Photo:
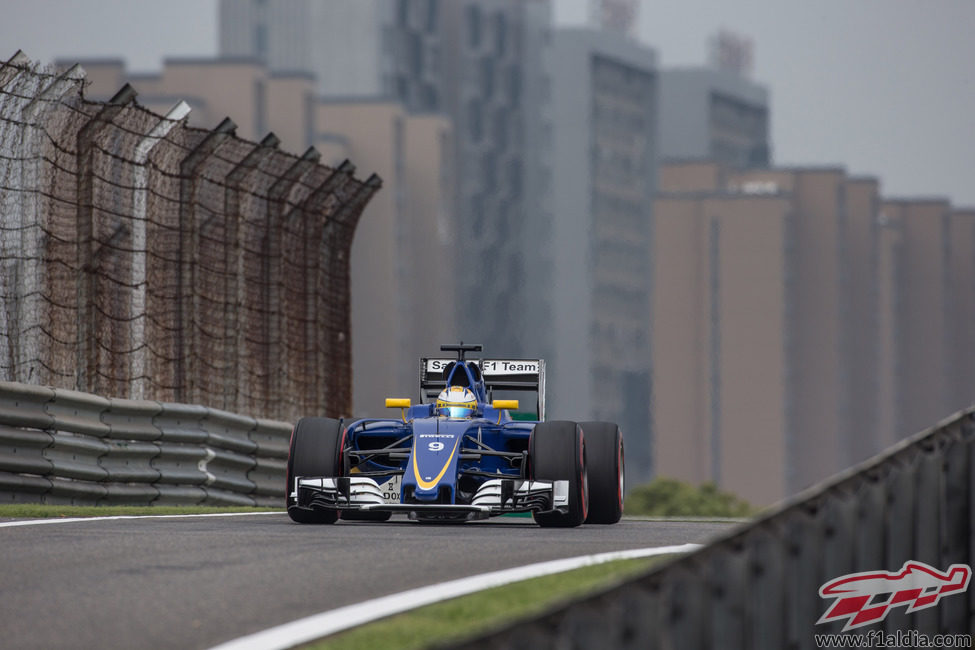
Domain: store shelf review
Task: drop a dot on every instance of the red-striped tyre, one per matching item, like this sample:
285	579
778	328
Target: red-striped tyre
316	450
557	452
604	462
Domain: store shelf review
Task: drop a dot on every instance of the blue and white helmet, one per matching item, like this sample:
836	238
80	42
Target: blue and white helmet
456	402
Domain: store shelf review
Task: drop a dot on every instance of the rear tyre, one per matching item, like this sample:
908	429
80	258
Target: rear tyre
316	450
557	452
604	462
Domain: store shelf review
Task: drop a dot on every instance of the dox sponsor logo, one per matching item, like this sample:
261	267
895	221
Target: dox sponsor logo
864	598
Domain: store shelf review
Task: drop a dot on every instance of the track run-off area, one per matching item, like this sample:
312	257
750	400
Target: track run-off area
202	580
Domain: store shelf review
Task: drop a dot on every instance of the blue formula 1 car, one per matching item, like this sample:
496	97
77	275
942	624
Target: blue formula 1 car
458	457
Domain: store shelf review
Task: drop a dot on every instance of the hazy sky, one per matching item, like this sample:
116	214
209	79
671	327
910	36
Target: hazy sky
884	88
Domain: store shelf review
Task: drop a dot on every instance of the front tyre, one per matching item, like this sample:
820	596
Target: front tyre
604	458
557	452
316	450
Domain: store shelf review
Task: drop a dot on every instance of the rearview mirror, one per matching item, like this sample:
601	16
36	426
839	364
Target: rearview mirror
509	404
398	402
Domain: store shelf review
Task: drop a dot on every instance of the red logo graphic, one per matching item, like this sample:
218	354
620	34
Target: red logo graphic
867	597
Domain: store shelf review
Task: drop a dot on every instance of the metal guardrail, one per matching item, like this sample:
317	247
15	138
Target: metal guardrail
757	587
63	446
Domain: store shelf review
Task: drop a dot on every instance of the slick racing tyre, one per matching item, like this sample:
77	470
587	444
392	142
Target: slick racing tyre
316	449
604	462
557	452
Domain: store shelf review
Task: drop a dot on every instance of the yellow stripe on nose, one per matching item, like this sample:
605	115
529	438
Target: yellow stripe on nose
427	485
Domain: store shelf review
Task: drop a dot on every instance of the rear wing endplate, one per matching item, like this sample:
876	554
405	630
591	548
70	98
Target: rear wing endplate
499	374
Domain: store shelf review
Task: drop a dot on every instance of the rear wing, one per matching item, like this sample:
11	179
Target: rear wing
499	374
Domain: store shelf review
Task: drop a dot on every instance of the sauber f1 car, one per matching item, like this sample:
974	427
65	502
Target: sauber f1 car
458	455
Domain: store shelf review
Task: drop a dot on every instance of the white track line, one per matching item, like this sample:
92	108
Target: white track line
326	623
72	520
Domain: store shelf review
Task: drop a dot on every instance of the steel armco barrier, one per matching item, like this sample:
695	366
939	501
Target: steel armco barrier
63	446
758	586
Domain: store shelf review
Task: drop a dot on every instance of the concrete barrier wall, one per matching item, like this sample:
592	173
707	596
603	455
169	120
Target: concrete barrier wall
757	587
63	446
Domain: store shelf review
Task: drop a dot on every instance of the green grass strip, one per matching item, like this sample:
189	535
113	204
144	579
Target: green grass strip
47	511
469	616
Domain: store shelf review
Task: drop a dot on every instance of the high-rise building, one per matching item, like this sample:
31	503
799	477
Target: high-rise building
961	317
720	339
762	336
859	309
801	323
362	48
815	328
587	273
475	61
889	241
920	352
713	114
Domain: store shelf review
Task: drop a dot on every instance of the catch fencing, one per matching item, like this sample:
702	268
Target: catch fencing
142	258
757	587
64	447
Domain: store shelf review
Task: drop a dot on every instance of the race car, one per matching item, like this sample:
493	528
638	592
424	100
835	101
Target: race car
458	455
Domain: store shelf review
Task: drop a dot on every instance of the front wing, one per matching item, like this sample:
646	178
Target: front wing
494	497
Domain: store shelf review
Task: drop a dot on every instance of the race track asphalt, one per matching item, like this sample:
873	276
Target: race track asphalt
193	582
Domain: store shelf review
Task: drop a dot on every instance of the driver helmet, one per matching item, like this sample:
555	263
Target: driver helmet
456	402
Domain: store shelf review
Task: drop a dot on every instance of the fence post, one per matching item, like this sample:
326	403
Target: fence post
234	300
956	517
927	491
189	248
11	148
275	306
138	372
687	608
314	228
725	578
871	543
839	516
900	526
337	247
25	330
767	601
87	362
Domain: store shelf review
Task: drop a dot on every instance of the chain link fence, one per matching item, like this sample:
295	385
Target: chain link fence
143	259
